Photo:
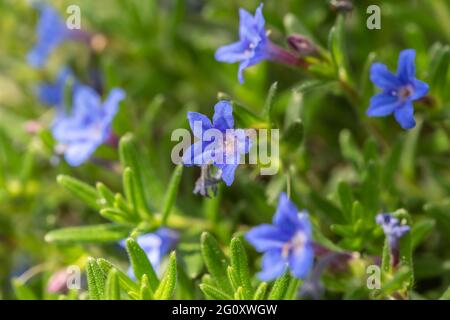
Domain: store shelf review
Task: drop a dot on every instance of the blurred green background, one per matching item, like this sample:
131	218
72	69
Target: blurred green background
162	54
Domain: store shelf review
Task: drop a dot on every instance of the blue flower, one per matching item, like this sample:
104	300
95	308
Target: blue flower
252	45
88	124
51	32
286	242
156	245
219	144
399	91
53	93
392	229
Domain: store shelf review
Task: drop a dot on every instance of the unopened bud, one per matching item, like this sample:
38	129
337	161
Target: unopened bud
301	45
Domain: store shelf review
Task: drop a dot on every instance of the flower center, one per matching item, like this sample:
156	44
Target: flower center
296	244
405	92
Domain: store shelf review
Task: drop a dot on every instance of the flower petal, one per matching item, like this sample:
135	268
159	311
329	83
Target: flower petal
382	77
405	116
223	116
406	69
273	265
266	237
111	105
198	154
232	53
242	66
286	216
228	171
79	152
199	123
420	89
301	262
382	105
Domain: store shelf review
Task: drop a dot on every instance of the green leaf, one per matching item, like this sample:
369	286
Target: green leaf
21	291
349	149
336	45
115	215
107	196
168	282
346	200
280	287
95	279
267	110
406	258
129	157
216	262
408	156
239	294
246	118
112	288
439	65
260	291
129	184
146	290
171	193
212	293
293	136
446	294
386	257
140	263
240	267
95	233
125	283
292	290
81	190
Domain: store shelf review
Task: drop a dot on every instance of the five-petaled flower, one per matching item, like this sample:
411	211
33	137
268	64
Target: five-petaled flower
253	46
287	242
392	228
51	32
156	245
80	131
399	91
219	144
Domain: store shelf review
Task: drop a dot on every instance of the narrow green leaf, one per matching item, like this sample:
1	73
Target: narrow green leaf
21	291
346	200
280	287
168	282
240	267
95	233
115	215
293	136
81	190
129	157
446	294
349	149
129	184
261	291
239	294
95	279
106	194
212	293
146	290
215	261
406	258
172	192
112	288
232	277
292	291
267	110
125	282
386	257
336	45
140	263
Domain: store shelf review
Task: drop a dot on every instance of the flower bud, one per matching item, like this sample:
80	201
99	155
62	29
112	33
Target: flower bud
301	45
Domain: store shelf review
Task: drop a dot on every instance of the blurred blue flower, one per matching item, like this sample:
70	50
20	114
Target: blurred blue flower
156	245
286	242
51	31
392	228
88	124
252	45
53	93
399	91
219	144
